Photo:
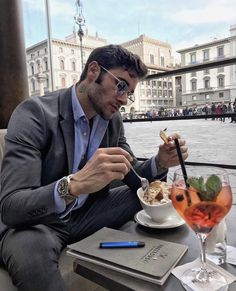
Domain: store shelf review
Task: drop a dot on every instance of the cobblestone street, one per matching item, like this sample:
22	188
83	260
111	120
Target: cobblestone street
209	141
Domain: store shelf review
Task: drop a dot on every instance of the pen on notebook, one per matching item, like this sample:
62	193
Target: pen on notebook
122	244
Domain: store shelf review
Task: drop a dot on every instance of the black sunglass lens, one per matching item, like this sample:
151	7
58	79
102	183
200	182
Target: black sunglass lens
122	87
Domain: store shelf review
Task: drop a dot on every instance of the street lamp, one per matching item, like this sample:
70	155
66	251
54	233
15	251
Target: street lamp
80	20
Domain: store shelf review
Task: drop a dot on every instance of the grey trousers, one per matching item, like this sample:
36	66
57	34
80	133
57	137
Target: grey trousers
31	254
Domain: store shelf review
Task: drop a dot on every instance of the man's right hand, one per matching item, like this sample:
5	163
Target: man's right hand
106	165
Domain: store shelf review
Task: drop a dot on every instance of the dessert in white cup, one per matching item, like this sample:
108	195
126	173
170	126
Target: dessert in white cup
157	203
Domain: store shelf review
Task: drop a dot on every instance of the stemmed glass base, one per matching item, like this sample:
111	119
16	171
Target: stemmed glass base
198	279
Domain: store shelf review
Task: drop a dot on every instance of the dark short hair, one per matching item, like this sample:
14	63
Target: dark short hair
115	56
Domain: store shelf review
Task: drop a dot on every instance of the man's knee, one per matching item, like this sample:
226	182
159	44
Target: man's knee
31	241
31	254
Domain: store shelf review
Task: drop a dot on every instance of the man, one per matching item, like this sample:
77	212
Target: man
62	152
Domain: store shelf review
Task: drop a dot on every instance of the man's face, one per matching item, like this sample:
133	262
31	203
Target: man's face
107	97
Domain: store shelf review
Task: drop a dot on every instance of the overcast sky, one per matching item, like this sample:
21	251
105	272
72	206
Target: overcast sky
182	23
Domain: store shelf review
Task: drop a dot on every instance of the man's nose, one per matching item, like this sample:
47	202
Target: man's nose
123	98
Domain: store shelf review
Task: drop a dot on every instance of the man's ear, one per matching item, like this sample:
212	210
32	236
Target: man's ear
93	71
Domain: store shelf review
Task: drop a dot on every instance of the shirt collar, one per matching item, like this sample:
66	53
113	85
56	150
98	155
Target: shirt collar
77	109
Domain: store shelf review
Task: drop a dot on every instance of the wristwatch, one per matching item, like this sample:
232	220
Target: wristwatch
63	188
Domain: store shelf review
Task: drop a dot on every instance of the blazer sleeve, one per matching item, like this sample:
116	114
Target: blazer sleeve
24	201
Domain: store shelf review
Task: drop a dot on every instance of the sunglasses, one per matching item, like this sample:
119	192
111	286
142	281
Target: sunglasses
121	87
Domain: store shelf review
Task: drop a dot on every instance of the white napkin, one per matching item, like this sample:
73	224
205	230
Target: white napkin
231	255
178	272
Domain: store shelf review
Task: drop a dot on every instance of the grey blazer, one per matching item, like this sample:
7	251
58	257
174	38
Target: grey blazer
39	151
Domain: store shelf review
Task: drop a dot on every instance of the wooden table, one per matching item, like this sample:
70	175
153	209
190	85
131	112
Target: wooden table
113	280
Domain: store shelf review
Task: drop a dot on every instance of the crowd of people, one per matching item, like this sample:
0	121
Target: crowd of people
208	109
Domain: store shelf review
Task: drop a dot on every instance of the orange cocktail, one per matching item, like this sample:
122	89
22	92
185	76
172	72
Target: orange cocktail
200	215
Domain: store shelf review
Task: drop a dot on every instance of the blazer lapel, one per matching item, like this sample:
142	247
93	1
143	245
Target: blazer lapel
67	125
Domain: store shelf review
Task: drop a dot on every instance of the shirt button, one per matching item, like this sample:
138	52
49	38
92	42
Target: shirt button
85	133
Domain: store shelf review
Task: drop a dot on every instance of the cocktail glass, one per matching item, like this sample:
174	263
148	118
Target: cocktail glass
203	199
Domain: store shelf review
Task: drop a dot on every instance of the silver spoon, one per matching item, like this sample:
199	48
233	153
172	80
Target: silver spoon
144	181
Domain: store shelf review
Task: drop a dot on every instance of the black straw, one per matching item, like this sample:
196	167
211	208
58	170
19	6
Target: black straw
181	160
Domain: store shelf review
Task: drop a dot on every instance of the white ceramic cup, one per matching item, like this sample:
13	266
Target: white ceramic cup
159	212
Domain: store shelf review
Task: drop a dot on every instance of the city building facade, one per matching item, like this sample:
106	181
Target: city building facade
152	95
66	62
214	85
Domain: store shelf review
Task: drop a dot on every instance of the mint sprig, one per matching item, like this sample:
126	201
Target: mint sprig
207	191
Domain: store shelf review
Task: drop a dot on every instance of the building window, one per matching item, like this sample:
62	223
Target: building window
207	96
178	81
221	94
193	58
154	84
221	81
62	65
46	65
32	85
60	50
38	65
205	55
45	50
63	82
207	83
151	59
32	69
162	61
220	52
73	66
193	85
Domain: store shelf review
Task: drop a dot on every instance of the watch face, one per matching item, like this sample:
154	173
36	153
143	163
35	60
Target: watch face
63	187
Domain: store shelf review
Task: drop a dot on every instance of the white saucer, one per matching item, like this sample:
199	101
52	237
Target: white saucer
144	219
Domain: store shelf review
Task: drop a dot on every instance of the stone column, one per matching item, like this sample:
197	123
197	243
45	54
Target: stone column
13	75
